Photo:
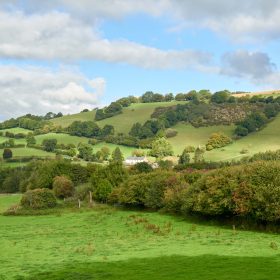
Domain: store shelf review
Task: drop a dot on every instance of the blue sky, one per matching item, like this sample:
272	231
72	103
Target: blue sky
66	55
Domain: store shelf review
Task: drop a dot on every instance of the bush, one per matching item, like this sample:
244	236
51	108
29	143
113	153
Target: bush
170	133
7	153
38	199
103	190
248	190
217	140
63	187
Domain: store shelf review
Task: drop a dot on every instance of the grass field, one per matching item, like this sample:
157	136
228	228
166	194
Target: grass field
61	138
25	152
105	243
16	130
191	136
139	112
261	141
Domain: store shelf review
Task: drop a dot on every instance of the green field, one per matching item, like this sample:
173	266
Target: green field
61	138
139	112
191	136
126	151
17	130
106	243
26	152
261	141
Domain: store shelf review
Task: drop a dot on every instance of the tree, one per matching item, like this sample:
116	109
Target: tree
143	167
85	151
105	153
107	130
7	153
30	140
117	156
161	148
199	155
184	157
102	191
220	96
136	130
63	187
49	145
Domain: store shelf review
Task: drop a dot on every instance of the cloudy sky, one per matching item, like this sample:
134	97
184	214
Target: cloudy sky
66	55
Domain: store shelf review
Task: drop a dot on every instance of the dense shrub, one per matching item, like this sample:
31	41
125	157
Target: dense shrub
63	187
38	199
250	190
7	153
146	189
217	140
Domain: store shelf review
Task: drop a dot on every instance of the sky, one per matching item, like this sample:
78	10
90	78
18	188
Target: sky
67	55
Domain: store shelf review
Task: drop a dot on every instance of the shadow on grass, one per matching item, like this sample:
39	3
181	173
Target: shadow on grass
208	267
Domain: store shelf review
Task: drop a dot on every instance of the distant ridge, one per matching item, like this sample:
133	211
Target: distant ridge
267	92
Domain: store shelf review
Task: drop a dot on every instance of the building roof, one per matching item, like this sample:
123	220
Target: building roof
135	158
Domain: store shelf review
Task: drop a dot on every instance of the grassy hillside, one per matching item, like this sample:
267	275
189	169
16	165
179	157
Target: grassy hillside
261	141
24	152
106	243
191	136
139	112
61	138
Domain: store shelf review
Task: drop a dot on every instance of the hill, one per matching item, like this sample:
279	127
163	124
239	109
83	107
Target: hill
138	112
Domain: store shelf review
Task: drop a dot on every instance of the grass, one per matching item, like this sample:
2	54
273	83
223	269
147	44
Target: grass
126	151
61	138
24	152
191	136
106	243
17	130
261	141
139	112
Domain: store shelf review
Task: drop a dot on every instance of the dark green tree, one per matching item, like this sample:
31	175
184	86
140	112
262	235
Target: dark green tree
7	153
49	145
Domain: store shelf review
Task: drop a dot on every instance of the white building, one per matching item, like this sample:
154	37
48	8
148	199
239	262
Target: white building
135	160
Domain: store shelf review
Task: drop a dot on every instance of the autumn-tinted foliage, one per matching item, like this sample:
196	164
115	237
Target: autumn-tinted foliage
38	199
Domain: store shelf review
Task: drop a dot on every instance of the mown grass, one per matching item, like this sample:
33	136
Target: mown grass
109	243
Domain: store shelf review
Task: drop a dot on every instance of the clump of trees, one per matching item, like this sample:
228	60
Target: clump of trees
218	140
113	109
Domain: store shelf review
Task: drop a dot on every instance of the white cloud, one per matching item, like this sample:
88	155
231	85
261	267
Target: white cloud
40	90
256	67
253	65
57	35
240	20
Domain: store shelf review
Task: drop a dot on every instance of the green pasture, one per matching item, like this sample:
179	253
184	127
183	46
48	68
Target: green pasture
61	138
25	152
191	136
261	141
139	112
108	243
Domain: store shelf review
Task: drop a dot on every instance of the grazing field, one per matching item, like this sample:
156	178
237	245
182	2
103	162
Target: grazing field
17	130
106	243
261	141
274	93
191	136
61	138
26	152
139	112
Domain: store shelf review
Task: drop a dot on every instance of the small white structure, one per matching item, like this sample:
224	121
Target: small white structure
135	160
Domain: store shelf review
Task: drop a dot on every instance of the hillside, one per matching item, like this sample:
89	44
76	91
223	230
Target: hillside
139	112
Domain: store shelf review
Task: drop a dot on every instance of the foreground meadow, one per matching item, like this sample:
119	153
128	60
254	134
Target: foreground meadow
109	243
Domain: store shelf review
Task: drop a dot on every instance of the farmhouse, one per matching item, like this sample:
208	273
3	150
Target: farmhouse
135	160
